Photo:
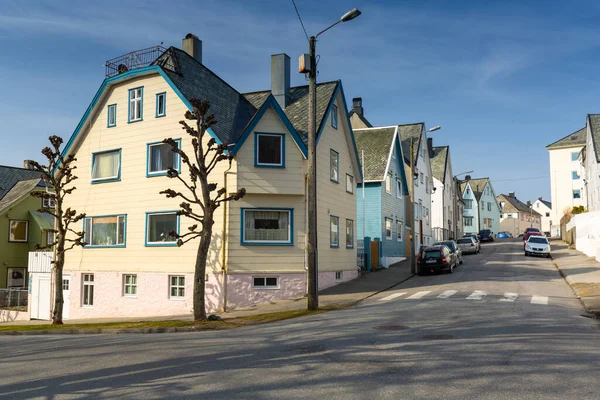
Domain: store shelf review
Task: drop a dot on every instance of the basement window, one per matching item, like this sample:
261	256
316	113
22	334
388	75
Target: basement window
265	282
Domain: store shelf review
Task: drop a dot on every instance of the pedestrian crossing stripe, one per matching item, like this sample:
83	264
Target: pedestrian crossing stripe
447	293
539	300
392	296
476	295
418	295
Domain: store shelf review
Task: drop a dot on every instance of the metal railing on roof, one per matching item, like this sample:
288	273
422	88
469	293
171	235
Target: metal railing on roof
133	60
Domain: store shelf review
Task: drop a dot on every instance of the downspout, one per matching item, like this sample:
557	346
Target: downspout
306	229
224	268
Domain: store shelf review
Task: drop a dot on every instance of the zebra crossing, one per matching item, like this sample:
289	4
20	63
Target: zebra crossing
476	295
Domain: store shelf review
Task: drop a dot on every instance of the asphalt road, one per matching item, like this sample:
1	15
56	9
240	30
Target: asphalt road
502	326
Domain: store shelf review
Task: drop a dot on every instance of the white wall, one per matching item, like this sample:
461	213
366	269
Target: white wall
562	184
543	209
592	175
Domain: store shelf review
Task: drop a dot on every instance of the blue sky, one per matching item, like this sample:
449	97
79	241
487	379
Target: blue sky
503	79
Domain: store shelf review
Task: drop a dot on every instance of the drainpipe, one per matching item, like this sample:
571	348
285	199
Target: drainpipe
306	230
224	240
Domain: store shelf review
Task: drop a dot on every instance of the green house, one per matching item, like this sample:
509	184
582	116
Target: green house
22	226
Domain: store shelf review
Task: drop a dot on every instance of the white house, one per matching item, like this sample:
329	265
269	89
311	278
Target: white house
544	208
444	192
591	162
566	183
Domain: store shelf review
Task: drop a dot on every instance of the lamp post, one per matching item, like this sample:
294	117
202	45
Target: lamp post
411	192
313	269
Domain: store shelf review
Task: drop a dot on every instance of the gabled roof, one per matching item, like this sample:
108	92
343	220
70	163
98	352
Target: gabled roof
408	132
477	186
546	203
377	144
594	121
19	191
575	139
194	80
9	176
515	205
439	162
361	117
296	109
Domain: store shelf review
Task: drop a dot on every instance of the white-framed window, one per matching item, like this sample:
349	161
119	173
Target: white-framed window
161	104
49	238
388	229
334	116
416	177
547	214
66	283
468	221
399	229
160	227
49	202
388	183
334	231
489	206
106	231
339	276
111	115
349	234
106	166
177	287
426	215
135	104
349	183
130	285
270	150
398	188
267	226
161	158
88	290
18	231
334	166
576	194
265	282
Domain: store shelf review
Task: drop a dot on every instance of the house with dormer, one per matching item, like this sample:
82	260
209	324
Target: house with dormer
481	210
381	209
131	266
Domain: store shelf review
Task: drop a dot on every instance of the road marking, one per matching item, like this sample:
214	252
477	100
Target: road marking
392	296
477	295
418	295
539	300
446	294
509	297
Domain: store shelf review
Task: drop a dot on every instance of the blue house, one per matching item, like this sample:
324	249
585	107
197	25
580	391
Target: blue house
383	213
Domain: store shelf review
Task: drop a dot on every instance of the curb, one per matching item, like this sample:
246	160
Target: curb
571	283
102	331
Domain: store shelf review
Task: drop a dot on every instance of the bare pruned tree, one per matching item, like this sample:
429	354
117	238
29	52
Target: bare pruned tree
202	198
58	176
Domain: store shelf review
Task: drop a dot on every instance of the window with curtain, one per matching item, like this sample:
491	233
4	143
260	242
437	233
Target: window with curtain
104	231
267	226
160	228
388	183
388	229
349	233
269	150
161	158
334	165
106	165
349	183
334	231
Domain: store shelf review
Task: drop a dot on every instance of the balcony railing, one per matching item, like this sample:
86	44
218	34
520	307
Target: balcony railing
133	60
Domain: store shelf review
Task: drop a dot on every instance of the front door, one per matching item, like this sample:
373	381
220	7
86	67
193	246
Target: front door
66	286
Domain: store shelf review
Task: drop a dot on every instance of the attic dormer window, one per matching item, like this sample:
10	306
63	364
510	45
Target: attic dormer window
269	148
135	104
334	116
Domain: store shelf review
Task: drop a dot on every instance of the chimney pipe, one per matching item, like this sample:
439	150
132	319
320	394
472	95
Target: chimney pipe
27	164
357	106
430	147
528	203
280	78
192	45
511	194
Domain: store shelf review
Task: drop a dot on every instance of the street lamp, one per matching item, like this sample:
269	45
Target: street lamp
313	258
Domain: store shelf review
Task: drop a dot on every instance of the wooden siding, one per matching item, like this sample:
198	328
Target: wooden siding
393	208
372	211
135	194
266	180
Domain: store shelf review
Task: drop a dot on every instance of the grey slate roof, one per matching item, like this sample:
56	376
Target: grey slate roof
439	162
515	205
376	142
595	131
9	176
296	109
20	190
232	111
477	186
406	132
575	139
547	203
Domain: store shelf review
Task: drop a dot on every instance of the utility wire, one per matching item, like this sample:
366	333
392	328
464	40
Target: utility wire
301	23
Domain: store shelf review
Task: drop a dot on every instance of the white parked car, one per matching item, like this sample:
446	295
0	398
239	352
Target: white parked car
537	245
468	245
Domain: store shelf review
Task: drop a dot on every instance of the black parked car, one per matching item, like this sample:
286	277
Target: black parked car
486	235
436	258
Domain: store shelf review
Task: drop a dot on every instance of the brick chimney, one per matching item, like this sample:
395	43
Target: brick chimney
27	164
193	46
511	194
280	78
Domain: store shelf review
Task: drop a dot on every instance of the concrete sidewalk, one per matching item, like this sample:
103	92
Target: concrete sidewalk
581	272
344	294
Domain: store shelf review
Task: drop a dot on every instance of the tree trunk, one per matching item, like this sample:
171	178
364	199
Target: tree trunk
57	314
200	270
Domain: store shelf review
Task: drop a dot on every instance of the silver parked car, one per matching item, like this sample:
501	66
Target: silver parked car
468	245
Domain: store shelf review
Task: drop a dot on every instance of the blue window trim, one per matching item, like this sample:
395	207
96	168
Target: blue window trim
262	165
331	244
338	166
161	173
290	242
108	180
116	246
129	121
575	175
164	114
160	244
334	116
352	245
108	108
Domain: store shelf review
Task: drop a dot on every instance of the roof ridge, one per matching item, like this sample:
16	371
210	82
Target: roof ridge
570	134
414	123
375	127
291	87
10	166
